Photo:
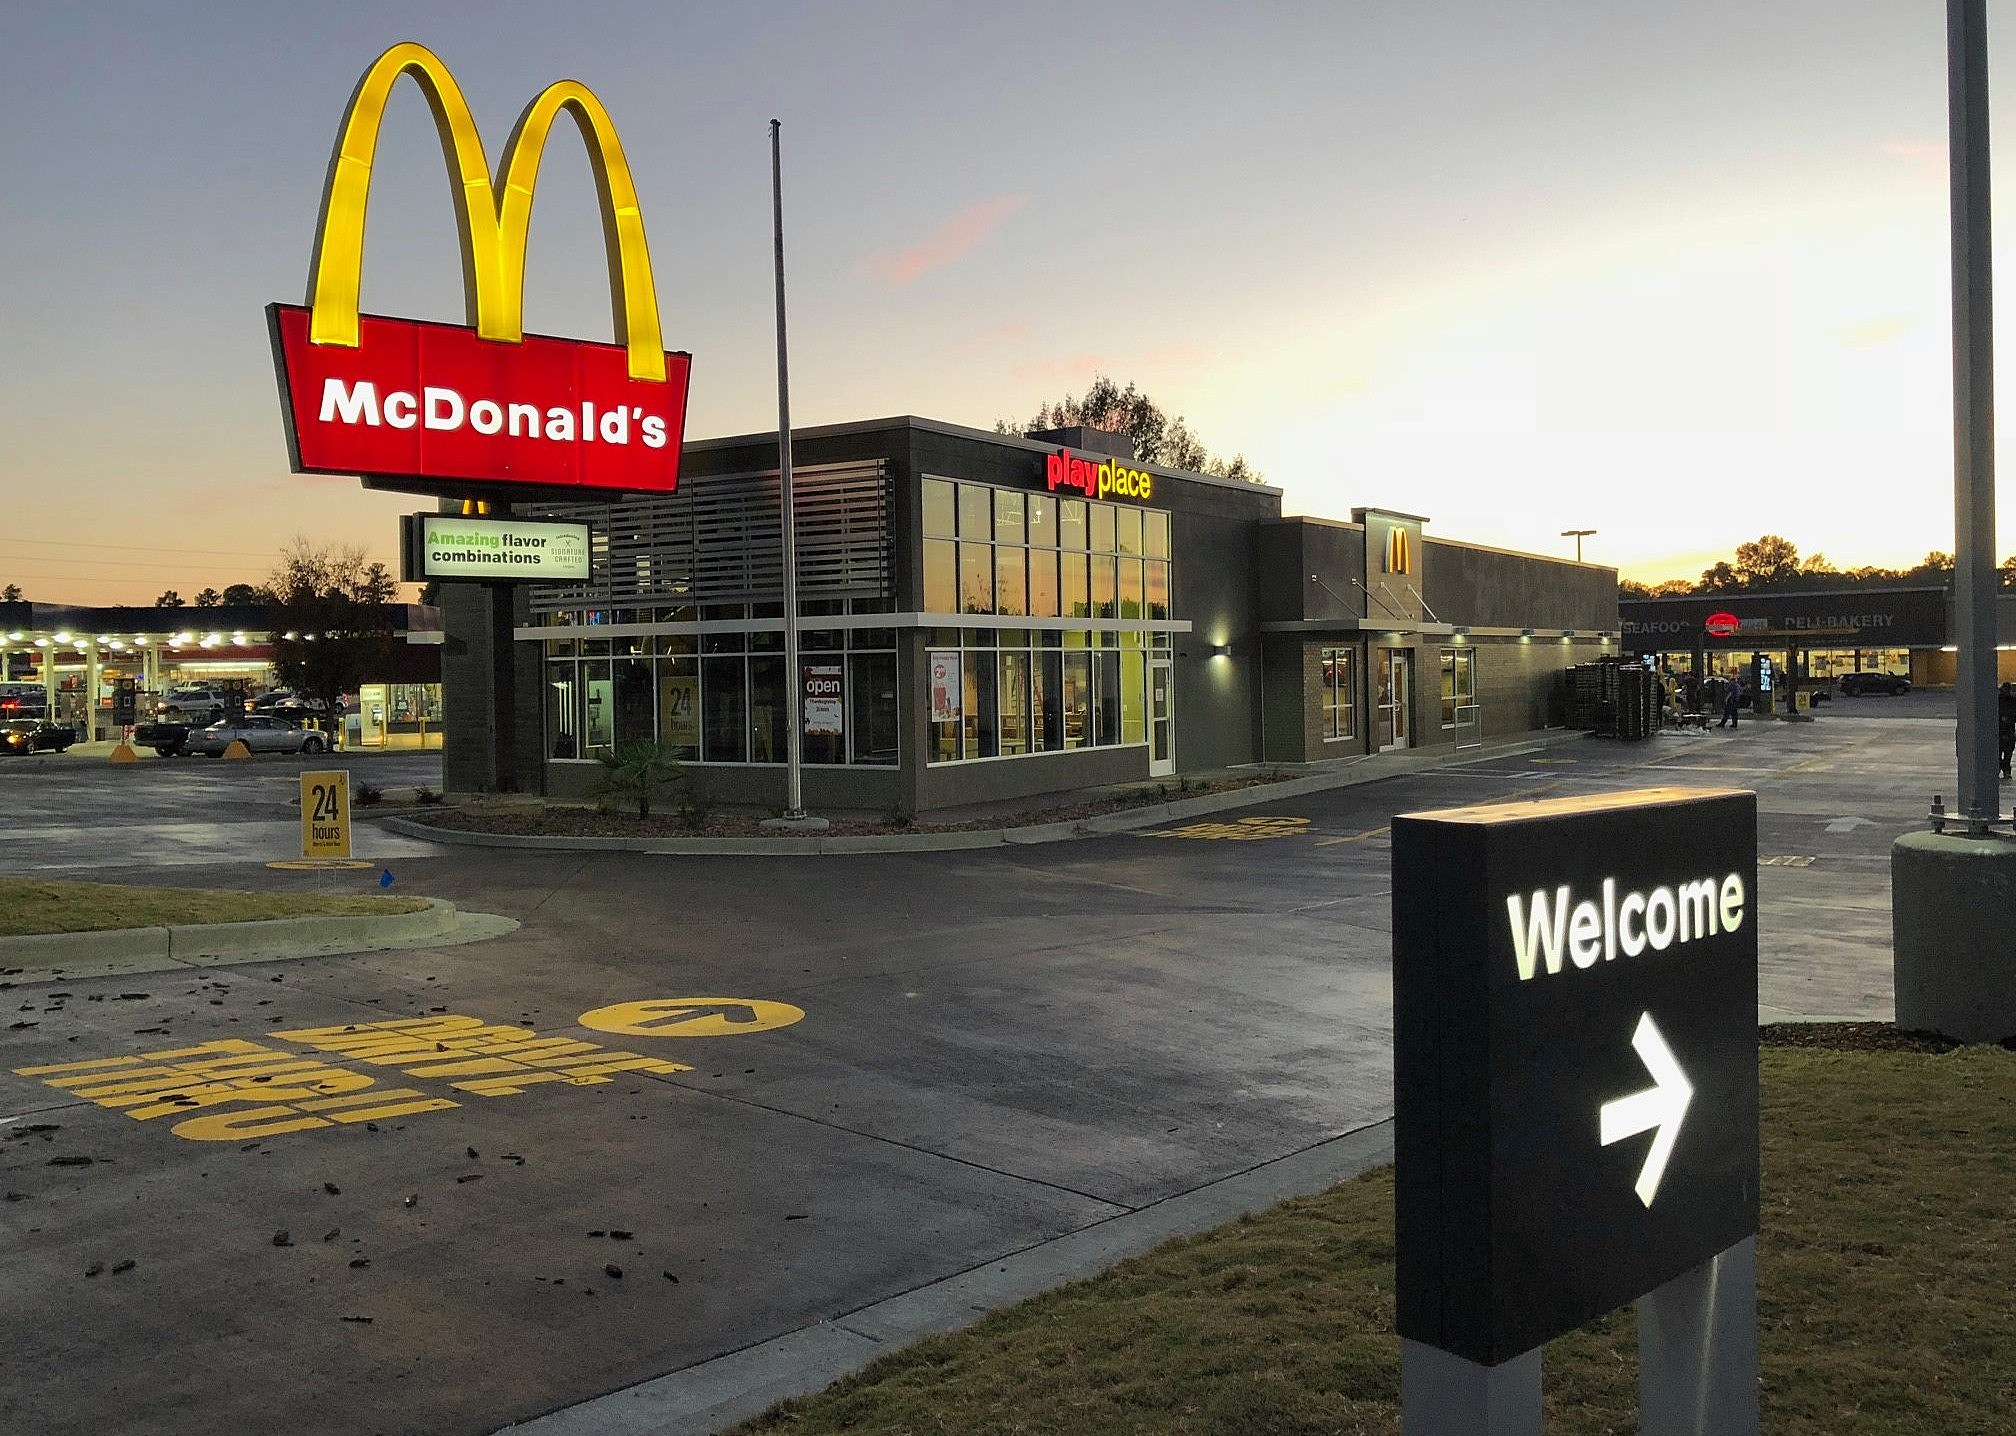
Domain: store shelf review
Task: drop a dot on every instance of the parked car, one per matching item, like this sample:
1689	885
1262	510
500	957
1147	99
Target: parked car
286	703
23	700
259	732
1853	684
195	705
35	735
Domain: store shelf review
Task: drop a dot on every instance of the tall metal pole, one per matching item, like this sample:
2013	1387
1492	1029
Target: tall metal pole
1973	408
794	681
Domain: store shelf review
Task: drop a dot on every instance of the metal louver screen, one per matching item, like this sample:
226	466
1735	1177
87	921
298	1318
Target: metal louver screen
718	540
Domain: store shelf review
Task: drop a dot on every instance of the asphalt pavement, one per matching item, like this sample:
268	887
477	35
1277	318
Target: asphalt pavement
851	1077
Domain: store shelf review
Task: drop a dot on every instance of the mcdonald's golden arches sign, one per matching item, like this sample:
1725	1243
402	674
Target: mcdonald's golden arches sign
1399	550
443	408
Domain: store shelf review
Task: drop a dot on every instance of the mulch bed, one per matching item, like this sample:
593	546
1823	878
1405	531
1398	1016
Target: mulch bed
559	821
1853	1037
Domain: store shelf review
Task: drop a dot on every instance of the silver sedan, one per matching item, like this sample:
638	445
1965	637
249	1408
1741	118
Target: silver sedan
258	733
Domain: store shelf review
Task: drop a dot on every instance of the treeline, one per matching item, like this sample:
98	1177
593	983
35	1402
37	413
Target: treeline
1773	562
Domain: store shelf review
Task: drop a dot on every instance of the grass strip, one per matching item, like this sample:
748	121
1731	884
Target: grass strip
37	905
1887	1295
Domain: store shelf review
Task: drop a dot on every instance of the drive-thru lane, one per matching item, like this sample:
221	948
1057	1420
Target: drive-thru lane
996	1048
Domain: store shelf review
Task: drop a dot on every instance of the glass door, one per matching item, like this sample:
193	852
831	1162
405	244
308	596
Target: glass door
1395	699
1161	719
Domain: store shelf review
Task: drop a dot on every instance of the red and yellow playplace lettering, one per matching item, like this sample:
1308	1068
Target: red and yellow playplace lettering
1104	478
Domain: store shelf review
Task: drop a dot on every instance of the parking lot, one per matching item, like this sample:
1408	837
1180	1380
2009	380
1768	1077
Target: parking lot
996	1049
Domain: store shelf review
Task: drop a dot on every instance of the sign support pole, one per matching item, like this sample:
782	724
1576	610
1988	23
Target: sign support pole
794	743
1973	410
1697	1349
1444	1395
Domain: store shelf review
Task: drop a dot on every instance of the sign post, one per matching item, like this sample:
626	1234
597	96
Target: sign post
325	814
1575	1035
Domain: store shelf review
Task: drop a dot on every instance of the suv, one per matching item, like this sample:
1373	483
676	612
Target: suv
1853	684
197	705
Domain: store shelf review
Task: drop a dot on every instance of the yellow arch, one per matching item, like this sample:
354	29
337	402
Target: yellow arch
493	233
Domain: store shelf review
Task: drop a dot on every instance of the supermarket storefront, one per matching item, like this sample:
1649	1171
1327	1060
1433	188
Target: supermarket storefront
986	616
1822	634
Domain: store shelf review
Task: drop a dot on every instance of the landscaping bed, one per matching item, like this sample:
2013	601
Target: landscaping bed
1887	1300
39	905
566	820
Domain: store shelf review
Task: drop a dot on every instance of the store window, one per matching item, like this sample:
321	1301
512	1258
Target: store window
1340	691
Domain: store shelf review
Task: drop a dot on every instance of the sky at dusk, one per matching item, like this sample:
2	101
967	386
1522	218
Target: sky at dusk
1674	273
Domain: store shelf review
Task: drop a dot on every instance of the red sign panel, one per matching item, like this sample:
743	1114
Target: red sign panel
416	401
1721	625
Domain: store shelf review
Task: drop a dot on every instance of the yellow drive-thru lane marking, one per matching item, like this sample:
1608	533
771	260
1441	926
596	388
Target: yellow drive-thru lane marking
1246	830
692	1017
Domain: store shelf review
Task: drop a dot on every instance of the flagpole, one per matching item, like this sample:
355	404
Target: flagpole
794	680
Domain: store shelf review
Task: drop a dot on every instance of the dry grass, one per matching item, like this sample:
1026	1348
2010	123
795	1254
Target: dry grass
1887	1296
36	905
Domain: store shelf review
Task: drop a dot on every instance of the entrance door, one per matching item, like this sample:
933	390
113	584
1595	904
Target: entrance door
1161	719
1395	699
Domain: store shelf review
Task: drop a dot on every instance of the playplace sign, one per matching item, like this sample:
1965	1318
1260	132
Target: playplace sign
1097	478
1575	1026
443	408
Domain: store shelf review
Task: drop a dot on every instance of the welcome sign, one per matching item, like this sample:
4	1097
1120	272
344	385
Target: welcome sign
1575	1058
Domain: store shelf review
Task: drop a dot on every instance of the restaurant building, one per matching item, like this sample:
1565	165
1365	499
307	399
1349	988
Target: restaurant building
986	616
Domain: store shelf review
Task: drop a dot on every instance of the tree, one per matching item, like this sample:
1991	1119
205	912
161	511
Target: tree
1718	579
1157	438
170	599
243	593
2008	572
209	598
327	612
12	592
1765	561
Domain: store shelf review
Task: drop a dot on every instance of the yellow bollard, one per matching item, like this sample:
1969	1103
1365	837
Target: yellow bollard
236	749
123	754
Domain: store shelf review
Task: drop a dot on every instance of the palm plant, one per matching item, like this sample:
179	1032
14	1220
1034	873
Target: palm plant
638	773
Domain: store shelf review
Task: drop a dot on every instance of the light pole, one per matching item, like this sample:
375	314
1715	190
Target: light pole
1578	535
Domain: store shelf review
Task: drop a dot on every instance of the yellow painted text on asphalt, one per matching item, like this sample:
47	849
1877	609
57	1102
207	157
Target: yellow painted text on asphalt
692	1017
232	1090
1246	830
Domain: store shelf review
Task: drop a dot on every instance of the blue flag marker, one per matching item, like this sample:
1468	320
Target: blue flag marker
385	879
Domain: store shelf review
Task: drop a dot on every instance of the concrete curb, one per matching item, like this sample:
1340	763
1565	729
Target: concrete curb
141	949
1126	820
712	1394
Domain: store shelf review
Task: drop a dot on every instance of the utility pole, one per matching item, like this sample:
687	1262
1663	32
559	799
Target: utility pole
794	678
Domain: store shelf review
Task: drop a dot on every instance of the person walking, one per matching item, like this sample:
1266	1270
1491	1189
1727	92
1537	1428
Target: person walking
1732	703
2005	723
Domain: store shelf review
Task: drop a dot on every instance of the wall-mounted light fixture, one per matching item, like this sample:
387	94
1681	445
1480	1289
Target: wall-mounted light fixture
1566	634
1527	632
1221	650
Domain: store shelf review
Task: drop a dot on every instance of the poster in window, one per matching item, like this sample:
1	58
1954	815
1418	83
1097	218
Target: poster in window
679	709
945	688
825	715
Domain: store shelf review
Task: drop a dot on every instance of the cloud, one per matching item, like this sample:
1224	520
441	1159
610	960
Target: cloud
1871	332
1919	154
952	240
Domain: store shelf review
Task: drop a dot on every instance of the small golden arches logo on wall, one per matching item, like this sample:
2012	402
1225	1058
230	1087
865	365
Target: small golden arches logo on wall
1399	551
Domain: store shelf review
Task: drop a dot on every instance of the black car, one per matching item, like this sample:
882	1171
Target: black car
1853	684
34	735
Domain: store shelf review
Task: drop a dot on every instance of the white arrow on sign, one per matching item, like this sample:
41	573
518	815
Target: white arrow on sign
1847	825
1661	1105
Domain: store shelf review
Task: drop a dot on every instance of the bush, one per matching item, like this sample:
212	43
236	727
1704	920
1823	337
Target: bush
694	807
638	773
901	815
427	795
366	795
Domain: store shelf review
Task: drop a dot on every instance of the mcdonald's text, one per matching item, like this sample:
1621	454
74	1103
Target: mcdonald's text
414	401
